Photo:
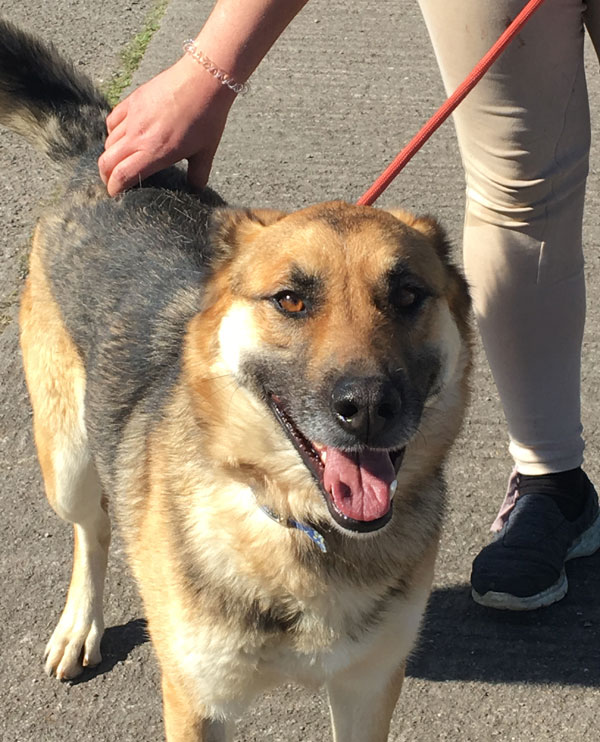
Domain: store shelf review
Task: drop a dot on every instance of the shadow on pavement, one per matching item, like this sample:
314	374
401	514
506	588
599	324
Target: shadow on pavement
117	644
463	641
559	644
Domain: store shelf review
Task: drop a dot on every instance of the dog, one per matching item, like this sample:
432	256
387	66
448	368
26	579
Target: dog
267	399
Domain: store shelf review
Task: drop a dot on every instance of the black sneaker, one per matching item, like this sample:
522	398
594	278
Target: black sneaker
524	566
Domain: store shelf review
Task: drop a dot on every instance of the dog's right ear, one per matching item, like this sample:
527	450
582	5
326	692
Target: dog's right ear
232	227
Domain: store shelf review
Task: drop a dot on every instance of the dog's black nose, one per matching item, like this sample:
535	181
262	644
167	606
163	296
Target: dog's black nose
366	407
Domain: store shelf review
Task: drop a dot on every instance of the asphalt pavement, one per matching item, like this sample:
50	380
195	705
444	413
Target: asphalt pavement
346	86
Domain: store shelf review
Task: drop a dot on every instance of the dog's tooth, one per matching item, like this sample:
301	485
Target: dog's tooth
321	450
393	487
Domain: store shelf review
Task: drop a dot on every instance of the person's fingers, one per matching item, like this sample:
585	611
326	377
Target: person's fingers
103	169
131	171
117	115
117	133
198	170
111	157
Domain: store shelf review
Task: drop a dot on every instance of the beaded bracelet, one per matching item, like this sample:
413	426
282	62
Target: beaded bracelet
223	77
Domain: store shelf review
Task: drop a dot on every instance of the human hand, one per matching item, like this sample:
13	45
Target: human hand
179	114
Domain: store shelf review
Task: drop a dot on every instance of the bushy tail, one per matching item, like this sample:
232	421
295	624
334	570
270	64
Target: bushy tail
44	98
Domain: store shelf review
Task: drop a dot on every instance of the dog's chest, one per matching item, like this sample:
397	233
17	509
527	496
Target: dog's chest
332	633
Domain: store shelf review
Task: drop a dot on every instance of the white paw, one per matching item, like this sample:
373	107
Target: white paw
75	644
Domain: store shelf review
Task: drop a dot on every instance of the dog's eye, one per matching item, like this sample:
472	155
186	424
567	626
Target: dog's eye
408	298
290	302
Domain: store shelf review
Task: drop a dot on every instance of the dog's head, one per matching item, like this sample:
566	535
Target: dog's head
340	324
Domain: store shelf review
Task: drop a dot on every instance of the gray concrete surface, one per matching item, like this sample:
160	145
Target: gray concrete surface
346	86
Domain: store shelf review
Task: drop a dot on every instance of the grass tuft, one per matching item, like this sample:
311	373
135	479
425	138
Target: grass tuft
133	53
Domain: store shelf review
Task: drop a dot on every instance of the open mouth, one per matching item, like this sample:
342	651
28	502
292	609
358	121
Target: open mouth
358	486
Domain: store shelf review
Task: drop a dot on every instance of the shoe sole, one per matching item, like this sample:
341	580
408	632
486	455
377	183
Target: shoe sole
585	545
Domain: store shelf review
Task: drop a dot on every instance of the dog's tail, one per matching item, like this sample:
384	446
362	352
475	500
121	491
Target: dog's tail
44	98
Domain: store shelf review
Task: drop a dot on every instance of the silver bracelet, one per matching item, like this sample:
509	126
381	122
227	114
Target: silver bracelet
223	77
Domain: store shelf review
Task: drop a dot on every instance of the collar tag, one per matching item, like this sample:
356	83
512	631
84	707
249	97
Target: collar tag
311	532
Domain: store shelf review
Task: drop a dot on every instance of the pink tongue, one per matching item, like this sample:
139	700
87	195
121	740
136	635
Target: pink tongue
359	483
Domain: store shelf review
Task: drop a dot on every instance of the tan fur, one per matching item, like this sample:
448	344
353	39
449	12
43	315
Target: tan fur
56	381
202	470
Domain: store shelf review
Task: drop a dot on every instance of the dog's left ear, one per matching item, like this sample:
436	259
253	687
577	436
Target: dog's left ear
232	227
428	226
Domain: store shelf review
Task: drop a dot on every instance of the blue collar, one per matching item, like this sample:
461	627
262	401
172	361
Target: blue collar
311	532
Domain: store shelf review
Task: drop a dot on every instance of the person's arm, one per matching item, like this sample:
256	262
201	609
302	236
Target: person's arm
181	113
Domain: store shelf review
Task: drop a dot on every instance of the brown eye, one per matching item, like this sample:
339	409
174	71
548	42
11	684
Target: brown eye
406	297
290	302
405	294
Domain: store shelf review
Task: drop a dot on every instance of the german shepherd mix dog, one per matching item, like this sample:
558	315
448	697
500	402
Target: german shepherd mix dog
267	399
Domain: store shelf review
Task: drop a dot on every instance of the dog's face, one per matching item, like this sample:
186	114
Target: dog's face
342	322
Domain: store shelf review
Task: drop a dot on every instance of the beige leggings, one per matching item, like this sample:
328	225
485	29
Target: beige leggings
524	139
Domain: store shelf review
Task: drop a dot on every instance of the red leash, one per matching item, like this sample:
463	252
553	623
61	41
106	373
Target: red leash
438	118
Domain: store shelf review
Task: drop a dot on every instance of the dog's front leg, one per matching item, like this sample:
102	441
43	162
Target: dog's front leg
185	722
362	702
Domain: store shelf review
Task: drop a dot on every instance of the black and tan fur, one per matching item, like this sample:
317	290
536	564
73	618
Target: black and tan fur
162	334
